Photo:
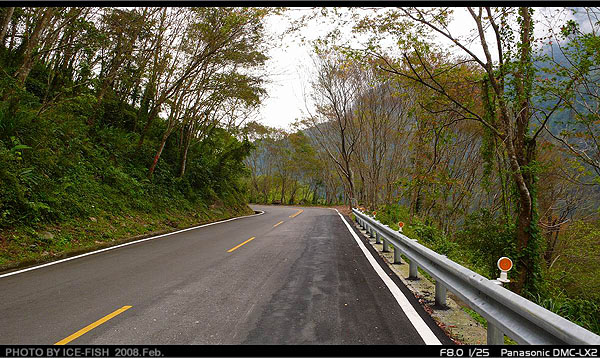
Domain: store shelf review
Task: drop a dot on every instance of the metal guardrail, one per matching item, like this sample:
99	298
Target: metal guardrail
505	311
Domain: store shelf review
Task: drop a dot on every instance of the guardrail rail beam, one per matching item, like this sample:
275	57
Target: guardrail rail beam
506	312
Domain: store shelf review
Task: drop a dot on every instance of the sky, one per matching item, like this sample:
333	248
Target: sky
288	76
290	65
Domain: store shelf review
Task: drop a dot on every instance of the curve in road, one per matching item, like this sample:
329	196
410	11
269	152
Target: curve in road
289	276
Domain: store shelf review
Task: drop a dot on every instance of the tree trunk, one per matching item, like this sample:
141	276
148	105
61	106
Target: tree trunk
293	194
32	43
159	152
5	23
186	147
282	191
149	120
521	156
350	178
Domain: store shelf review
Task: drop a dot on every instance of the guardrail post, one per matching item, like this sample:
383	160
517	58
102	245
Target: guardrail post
386	246
397	257
440	294
377	238
371	232
494	335
413	272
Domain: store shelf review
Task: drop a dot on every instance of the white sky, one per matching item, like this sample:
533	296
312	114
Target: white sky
287	68
290	65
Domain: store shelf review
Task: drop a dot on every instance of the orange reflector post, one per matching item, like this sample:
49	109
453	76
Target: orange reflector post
505	264
400	224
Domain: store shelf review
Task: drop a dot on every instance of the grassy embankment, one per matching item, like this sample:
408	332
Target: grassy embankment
27	245
68	183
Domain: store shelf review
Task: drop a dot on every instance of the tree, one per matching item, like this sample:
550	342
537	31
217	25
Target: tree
231	36
334	125
41	18
208	69
506	85
571	76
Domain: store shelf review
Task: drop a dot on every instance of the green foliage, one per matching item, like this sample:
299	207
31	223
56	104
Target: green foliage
574	267
285	163
485	239
56	169
432	237
391	214
583	312
478	244
424	231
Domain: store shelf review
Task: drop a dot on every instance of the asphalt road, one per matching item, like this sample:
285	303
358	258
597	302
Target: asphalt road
303	279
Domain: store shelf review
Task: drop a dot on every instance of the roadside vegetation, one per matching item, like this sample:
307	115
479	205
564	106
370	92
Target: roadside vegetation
485	144
120	122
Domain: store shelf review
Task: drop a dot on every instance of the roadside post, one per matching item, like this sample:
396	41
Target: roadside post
397	252
494	334
504	264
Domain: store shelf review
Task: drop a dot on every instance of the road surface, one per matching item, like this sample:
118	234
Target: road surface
288	276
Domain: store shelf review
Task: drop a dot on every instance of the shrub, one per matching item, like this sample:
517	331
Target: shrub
485	240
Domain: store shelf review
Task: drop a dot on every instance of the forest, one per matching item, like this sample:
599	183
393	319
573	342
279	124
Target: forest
120	122
484	148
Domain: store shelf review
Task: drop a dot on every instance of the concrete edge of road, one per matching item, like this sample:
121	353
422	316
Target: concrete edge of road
135	241
421	320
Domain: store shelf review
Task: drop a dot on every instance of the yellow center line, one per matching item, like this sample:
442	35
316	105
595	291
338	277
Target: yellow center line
243	243
296	214
279	223
88	328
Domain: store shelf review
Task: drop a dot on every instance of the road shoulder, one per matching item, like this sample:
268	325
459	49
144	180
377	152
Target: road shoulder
429	321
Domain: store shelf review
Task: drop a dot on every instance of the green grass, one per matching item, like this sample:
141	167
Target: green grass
27	244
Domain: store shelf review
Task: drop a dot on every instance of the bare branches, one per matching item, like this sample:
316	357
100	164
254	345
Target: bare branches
421	19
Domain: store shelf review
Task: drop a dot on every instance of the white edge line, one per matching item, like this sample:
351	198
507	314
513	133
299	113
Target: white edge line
125	244
422	328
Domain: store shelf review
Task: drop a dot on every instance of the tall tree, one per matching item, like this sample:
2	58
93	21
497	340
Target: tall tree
214	64
227	35
336	129
509	76
42	17
7	16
